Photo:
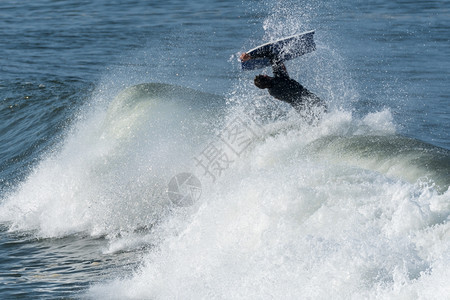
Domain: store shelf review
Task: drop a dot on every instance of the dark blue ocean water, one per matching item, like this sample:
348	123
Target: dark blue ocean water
62	61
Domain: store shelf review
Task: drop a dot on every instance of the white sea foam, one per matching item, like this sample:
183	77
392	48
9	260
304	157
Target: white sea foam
281	224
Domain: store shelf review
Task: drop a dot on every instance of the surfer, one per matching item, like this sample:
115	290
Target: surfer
286	89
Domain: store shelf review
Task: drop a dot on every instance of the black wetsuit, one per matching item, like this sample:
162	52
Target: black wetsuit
288	90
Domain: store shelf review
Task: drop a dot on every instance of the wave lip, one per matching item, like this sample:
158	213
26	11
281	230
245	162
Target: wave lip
393	155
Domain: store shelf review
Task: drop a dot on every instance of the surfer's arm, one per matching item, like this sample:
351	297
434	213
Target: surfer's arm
279	69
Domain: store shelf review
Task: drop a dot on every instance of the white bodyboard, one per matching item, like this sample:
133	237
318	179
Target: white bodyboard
283	49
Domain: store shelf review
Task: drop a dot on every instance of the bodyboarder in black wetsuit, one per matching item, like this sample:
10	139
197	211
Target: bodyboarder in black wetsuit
283	88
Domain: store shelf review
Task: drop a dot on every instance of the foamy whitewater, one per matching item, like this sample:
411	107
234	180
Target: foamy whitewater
285	222
344	207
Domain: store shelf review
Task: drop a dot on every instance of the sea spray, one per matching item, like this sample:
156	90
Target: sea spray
111	174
